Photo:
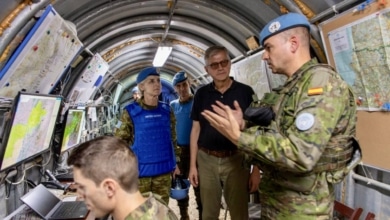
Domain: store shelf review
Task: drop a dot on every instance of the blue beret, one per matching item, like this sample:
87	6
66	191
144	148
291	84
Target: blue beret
283	23
179	77
149	71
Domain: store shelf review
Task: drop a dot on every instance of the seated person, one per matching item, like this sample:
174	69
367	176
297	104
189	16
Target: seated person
106	176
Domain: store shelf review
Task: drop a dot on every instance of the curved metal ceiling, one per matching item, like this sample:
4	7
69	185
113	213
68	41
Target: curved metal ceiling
127	32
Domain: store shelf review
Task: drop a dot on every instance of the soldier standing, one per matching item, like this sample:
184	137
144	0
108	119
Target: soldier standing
182	109
307	146
148	126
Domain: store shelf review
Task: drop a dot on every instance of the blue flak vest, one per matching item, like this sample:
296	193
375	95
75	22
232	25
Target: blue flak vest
183	121
152	139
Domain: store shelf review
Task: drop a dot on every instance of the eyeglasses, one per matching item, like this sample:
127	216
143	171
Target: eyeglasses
215	66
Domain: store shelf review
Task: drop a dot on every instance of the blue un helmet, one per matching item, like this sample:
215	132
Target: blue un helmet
282	23
179	187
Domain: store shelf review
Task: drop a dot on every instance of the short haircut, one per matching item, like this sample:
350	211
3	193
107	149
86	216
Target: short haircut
302	32
213	50
107	157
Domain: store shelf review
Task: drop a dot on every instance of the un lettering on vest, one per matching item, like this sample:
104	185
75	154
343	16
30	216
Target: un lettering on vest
153	116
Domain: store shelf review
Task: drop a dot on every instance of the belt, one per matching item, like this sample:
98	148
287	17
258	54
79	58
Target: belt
218	153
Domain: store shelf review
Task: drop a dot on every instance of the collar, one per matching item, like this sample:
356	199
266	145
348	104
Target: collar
313	61
291	82
211	86
188	100
141	102
297	73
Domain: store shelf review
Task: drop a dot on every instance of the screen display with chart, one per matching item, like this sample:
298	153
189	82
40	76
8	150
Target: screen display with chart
30	129
74	125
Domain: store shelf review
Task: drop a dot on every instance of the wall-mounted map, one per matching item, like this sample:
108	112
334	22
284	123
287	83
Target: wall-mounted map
42	57
359	50
254	72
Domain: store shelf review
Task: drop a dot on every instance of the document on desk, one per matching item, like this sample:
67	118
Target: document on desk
50	207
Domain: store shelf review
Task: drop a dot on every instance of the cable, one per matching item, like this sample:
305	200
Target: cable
22	179
42	165
102	94
365	171
61	169
3	179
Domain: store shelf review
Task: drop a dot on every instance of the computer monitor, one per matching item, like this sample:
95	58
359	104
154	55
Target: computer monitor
74	125
30	128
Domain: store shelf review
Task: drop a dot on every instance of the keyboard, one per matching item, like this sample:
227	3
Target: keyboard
65	209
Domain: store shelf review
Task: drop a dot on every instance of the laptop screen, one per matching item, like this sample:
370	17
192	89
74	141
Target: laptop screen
41	200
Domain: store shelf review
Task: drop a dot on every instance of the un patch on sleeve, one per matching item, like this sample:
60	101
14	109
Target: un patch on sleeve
304	121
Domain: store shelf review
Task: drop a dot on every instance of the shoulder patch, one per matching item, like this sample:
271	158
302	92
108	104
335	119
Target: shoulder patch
315	91
304	121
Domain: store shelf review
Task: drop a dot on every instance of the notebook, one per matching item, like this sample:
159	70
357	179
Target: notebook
50	207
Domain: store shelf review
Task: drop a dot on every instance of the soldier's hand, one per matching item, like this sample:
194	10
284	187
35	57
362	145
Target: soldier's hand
237	111
176	171
224	121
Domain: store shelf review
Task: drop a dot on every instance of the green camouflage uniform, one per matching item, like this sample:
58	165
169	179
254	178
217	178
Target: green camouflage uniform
297	164
152	209
126	132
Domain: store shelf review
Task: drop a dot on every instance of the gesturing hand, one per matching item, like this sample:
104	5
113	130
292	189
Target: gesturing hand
225	120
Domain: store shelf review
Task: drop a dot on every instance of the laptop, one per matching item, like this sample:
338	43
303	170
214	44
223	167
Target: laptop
50	207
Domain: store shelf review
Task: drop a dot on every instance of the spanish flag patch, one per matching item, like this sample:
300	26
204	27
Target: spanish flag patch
315	91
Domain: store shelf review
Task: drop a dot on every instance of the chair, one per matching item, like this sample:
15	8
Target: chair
370	216
347	212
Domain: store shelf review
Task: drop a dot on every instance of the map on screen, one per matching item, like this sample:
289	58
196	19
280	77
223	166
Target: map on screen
31	129
74	125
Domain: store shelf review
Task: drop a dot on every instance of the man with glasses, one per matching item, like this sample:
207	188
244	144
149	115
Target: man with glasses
215	161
